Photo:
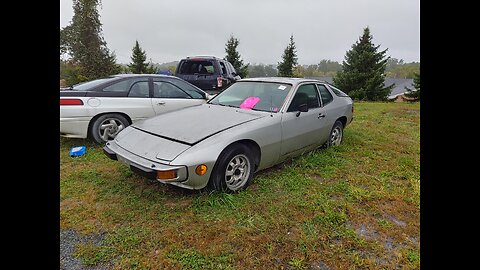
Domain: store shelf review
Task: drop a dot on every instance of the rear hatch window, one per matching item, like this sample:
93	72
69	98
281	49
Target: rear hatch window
192	67
199	72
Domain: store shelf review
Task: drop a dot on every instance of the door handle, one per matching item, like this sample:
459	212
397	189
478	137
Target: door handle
321	115
161	103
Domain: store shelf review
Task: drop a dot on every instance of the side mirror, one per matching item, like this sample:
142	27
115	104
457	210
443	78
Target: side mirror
302	108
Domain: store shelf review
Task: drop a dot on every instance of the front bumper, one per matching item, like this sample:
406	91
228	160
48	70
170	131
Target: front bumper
145	167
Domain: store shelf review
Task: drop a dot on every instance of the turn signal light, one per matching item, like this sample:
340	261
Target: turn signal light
219	82
71	101
165	175
201	169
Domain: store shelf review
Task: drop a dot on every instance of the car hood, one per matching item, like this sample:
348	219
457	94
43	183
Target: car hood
194	124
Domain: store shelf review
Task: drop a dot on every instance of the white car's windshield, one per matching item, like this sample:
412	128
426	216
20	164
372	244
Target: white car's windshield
259	96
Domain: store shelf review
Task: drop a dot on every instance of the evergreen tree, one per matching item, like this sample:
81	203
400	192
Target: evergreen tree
138	65
363	73
138	57
82	40
289	60
415	95
234	57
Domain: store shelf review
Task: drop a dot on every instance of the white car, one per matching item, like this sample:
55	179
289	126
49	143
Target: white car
101	108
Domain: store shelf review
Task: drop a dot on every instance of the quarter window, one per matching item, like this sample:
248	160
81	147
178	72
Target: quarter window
139	89
163	89
122	86
306	94
324	94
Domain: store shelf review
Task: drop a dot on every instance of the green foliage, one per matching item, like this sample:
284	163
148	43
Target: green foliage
363	73
296	263
192	259
71	73
138	65
329	65
398	69
415	95
261	70
82	40
233	56
289	60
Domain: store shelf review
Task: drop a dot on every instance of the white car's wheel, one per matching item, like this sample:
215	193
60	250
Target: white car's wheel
107	126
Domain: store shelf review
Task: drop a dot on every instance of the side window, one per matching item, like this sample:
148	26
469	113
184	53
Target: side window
324	94
224	69
122	86
139	89
306	94
232	69
191	90
163	89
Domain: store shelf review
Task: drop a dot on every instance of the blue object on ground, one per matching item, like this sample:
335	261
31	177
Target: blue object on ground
78	151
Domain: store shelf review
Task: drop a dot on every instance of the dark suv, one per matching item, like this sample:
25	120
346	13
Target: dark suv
209	73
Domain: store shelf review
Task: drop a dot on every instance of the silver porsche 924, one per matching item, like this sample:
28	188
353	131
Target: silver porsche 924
252	125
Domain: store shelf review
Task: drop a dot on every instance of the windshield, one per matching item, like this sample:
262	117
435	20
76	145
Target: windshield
259	96
91	84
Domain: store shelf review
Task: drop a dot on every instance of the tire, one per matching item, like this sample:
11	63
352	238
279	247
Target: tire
336	135
107	126
233	170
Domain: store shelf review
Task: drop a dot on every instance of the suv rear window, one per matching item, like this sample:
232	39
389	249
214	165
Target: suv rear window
191	67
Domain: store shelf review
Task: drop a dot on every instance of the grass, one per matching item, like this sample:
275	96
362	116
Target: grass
353	206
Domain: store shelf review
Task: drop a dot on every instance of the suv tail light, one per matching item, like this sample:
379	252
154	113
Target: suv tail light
71	101
219	82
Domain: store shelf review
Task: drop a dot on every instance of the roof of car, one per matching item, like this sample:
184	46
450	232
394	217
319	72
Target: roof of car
202	57
144	75
288	80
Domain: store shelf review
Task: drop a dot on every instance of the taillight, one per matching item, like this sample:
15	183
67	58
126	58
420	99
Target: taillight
219	82
71	101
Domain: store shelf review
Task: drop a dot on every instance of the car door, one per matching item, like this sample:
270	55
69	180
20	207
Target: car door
301	130
168	96
129	96
330	111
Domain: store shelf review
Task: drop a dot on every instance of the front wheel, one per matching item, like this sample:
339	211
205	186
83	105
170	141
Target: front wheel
107	126
234	169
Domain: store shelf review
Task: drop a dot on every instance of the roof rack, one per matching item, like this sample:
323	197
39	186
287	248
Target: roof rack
201	56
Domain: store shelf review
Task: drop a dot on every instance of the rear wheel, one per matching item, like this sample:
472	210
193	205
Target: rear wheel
233	170
107	126
336	135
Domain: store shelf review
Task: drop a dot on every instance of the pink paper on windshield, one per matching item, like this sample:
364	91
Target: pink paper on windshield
249	103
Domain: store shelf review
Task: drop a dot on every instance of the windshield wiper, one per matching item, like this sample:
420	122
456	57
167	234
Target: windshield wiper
226	105
259	110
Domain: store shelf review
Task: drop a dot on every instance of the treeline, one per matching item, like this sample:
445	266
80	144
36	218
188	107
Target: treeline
399	69
84	55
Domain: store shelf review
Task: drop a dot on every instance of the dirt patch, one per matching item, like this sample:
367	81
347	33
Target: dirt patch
319	265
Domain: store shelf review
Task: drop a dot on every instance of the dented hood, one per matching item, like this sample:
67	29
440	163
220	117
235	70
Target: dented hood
194	124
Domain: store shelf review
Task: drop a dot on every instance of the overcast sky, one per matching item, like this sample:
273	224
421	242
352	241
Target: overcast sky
171	30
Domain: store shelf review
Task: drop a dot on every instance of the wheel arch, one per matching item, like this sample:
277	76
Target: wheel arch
343	120
90	124
251	144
